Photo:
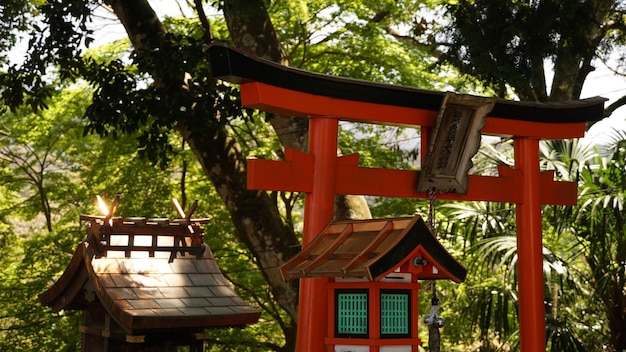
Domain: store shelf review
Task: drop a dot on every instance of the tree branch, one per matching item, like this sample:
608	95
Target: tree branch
206	26
608	111
429	47
378	17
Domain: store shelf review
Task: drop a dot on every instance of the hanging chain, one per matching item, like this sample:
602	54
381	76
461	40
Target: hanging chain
431	224
432	192
431	208
433	320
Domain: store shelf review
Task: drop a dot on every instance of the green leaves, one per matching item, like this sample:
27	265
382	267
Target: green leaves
143	102
506	43
28	264
357	39
57	42
17	15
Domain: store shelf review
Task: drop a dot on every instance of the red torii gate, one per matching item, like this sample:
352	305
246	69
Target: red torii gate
322	174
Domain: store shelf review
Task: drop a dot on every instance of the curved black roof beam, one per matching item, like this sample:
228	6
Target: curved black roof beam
234	65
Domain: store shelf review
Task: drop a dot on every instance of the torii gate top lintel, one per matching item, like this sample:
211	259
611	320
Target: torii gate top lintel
321	174
272	87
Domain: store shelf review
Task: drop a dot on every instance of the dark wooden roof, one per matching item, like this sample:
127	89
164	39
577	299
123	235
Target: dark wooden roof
144	289
373	249
237	66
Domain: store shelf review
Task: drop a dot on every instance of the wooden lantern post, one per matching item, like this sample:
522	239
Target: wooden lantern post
373	268
321	174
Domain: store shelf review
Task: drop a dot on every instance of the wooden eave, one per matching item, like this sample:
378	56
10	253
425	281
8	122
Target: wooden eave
234	65
372	249
68	291
150	293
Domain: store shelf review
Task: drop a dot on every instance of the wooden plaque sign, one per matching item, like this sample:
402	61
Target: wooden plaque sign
455	140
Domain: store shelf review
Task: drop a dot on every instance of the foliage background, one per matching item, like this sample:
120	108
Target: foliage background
77	122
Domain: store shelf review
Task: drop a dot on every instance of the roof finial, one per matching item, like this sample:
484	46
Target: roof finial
106	211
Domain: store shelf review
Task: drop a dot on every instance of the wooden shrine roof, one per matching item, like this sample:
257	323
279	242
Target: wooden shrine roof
146	288
373	249
237	66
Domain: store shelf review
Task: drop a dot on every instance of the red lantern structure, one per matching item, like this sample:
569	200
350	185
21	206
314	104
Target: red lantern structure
373	268
322	174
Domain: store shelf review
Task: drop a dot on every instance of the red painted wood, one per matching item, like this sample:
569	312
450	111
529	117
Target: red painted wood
330	321
374	312
529	247
296	176
280	100
524	185
331	341
318	211
415	312
292	103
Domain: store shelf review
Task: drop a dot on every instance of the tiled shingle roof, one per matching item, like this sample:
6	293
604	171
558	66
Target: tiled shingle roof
147	290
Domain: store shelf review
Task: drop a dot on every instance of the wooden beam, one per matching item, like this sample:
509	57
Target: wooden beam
352	179
294	103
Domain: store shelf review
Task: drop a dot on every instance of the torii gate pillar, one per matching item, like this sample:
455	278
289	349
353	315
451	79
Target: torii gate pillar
318	211
529	247
321	174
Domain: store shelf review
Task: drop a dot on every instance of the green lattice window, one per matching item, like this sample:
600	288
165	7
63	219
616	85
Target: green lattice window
395	313
351	313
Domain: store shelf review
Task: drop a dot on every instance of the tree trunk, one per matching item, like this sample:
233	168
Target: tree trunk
251	29
256	218
573	63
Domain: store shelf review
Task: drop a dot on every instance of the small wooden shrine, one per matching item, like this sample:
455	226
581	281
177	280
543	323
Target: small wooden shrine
373	268
146	285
